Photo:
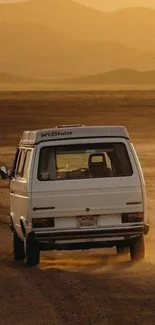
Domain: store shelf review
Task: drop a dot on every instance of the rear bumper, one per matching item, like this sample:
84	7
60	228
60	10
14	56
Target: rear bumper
108	234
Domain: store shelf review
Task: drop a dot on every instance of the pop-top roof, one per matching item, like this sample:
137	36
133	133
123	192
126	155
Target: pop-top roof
72	132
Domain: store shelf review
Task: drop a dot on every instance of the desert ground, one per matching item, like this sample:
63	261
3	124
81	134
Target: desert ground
91	287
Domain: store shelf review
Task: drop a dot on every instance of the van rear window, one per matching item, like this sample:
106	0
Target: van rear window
97	160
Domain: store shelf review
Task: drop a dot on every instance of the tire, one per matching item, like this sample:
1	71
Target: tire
18	248
32	252
137	248
121	250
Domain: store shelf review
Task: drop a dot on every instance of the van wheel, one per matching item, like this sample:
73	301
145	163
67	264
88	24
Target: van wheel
137	248
18	248
121	250
32	251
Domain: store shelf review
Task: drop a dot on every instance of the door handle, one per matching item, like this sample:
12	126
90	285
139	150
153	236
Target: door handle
11	191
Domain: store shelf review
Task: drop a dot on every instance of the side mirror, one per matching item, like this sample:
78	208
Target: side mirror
4	174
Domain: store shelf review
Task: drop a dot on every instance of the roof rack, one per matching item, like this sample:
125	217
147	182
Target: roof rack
69	126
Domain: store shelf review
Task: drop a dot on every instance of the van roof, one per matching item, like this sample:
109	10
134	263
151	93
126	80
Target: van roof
72	132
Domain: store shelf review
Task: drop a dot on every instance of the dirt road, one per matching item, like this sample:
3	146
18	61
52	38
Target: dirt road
79	288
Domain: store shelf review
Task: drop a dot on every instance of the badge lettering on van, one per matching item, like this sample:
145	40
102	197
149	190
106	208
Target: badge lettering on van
55	134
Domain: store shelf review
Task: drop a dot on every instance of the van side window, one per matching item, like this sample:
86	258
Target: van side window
15	162
23	163
20	163
26	164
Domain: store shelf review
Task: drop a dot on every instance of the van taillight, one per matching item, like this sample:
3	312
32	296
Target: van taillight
43	222
132	217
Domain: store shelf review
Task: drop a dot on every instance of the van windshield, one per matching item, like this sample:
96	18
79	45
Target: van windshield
84	161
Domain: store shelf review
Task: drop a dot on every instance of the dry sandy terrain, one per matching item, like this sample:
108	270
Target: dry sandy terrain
91	287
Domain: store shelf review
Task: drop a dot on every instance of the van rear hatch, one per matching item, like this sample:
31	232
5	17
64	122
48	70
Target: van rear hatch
92	184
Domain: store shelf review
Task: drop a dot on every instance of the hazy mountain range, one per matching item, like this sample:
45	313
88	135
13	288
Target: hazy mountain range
57	39
134	27
112	5
6	78
116	77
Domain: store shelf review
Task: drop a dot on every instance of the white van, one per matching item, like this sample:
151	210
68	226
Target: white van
76	187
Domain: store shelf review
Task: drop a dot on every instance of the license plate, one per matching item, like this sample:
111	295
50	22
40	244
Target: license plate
88	222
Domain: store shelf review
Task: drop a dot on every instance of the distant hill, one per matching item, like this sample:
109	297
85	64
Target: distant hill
35	51
105	5
134	27
64	39
116	77
9	78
